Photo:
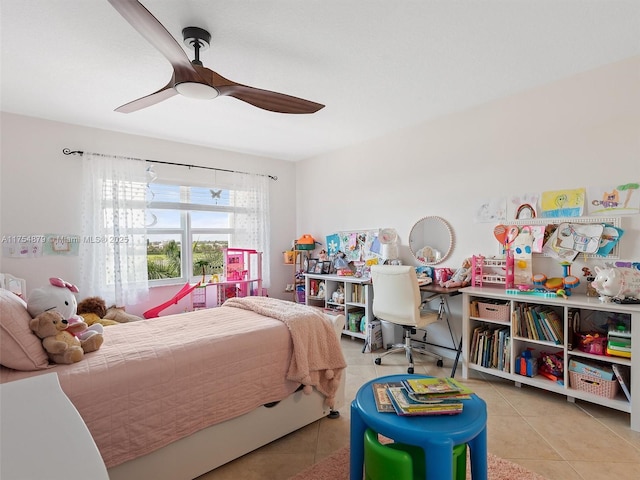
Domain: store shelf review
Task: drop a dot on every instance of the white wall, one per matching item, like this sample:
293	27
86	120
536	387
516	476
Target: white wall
40	191
580	132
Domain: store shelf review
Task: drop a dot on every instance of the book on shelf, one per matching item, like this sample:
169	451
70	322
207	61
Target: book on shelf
503	345
406	406
381	396
555	323
474	344
545	328
551	325
482	344
538	334
490	347
619	347
473	308
495	348
538	323
623	379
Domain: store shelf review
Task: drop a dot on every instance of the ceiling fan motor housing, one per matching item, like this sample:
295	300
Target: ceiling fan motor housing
197	39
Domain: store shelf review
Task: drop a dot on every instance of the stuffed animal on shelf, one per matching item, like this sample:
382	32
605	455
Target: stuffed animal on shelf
94	310
60	345
59	296
338	295
461	277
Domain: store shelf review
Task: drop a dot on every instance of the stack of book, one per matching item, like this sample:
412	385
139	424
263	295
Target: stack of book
490	347
619	342
421	396
538	323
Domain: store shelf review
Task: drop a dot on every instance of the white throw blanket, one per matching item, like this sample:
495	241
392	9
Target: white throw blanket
317	359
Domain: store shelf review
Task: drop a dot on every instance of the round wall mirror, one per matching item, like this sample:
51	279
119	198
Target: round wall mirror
431	240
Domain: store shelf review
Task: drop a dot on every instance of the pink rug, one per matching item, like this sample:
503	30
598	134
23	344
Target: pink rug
336	467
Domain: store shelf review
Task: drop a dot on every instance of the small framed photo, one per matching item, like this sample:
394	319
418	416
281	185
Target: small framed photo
312	264
318	268
326	267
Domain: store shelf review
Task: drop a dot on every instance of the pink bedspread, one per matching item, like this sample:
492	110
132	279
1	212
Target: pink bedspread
317	356
155	381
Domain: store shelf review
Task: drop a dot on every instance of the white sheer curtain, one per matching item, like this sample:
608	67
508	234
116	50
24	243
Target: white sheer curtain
113	253
251	223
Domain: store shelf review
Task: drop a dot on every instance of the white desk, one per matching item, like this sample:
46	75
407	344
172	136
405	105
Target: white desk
42	435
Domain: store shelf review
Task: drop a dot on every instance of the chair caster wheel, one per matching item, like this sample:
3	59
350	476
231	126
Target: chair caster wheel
378	361
439	363
410	370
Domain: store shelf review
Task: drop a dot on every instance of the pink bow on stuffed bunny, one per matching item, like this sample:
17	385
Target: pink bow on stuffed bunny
58	282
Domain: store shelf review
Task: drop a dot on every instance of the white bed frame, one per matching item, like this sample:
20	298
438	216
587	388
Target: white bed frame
212	447
14	284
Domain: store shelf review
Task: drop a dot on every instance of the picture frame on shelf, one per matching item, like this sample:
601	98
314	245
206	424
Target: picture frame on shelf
326	267
312	264
318	267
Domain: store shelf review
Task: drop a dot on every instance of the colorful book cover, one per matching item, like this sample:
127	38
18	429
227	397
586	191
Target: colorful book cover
432	385
381	396
454	390
404	405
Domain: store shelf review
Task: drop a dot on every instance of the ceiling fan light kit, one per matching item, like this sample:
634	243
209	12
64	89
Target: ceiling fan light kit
191	78
200	91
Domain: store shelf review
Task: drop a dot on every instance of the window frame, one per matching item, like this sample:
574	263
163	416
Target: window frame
186	233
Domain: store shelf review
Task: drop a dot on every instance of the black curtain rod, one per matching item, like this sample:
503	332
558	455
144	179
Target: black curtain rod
67	151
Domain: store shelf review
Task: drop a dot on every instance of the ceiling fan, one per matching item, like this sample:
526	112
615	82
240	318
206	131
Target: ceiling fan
191	78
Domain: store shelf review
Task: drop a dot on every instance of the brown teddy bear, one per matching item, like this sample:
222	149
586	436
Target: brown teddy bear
60	345
94	310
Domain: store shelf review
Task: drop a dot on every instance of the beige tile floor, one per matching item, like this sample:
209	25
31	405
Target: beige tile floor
536	429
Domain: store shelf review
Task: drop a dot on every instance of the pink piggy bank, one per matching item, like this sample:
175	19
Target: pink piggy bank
617	282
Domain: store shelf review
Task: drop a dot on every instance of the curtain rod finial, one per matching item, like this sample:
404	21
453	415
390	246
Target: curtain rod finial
67	151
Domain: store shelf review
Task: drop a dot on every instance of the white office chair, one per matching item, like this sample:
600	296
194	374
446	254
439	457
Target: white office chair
397	299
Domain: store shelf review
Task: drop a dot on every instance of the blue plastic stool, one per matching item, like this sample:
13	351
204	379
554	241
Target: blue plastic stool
436	435
403	462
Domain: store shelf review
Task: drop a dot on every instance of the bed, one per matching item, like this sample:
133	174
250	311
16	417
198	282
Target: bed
177	396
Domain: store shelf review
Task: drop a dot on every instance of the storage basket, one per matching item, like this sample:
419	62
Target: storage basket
492	311
595	385
594	343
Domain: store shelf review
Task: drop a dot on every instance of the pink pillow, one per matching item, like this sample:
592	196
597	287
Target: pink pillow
20	349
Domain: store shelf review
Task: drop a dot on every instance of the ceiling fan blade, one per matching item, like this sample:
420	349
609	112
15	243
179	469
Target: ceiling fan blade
165	92
150	28
273	101
265	99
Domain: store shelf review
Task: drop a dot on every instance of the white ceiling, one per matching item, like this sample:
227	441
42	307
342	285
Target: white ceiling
377	65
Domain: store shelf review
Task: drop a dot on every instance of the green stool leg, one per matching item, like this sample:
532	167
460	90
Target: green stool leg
460	462
403	462
382	462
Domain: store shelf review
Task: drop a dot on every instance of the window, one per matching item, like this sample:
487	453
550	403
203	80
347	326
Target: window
179	216
141	228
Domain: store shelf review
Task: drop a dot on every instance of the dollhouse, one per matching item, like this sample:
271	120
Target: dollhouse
242	278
